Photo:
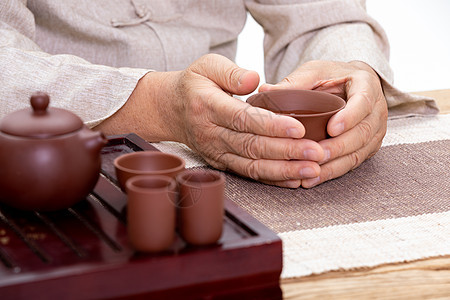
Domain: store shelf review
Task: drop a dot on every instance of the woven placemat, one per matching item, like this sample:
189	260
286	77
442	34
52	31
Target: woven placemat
399	181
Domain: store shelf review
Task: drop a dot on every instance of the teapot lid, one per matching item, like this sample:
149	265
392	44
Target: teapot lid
40	121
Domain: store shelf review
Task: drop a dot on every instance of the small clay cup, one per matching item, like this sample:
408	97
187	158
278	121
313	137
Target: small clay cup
151	212
147	163
201	206
312	108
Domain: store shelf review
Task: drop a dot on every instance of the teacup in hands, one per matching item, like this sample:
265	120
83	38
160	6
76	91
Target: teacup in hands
312	108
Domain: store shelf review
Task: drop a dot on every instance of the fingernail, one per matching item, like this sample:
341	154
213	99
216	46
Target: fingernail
338	128
293	184
308	172
295	133
310	182
311	154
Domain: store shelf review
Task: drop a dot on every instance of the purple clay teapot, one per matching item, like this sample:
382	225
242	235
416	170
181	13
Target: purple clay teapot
49	159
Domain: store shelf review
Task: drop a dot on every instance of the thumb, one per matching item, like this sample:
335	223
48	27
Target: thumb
226	74
298	80
308	76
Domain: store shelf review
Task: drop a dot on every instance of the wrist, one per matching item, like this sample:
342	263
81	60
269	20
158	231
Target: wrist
143	113
160	92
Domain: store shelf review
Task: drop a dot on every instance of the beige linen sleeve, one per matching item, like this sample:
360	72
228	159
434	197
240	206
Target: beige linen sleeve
93	92
336	30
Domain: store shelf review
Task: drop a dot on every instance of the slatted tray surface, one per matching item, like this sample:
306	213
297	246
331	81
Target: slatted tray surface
83	252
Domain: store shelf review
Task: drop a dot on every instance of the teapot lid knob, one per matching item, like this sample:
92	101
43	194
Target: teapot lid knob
39	102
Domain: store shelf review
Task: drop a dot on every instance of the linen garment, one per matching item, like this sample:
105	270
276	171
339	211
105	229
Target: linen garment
88	55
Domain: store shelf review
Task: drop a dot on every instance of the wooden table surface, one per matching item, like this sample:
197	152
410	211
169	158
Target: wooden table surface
424	279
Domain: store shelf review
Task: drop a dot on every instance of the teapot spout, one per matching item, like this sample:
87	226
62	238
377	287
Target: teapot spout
93	140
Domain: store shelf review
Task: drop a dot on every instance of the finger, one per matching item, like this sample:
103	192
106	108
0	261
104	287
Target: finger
267	170
362	95
325	76
341	165
257	146
239	116
226	74
302	78
369	129
292	184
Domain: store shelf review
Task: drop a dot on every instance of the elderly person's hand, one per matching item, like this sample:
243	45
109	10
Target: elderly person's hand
359	128
195	107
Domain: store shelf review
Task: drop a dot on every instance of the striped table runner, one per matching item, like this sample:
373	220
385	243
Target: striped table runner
394	208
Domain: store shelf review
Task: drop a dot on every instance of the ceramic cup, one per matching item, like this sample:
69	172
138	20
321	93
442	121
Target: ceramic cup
312	108
151	212
147	163
201	206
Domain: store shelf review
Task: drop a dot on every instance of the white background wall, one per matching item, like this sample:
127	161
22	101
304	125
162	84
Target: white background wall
418	32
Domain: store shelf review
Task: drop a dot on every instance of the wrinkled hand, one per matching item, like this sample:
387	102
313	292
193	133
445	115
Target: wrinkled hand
357	131
232	135
195	107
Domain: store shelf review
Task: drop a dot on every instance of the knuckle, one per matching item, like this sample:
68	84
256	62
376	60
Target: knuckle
203	63
216	162
285	174
251	147
227	138
201	141
289	80
379	141
326	173
365	131
290	152
338	148
262	121
238	120
251	169
291	149
367	99
375	150
233	74
356	159
206	59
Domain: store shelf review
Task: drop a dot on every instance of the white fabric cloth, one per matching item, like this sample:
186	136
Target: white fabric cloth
362	245
89	55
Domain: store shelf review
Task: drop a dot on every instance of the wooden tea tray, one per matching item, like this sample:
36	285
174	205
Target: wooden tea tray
83	252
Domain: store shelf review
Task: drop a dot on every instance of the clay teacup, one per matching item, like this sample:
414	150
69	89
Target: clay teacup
147	163
151	212
201	206
312	108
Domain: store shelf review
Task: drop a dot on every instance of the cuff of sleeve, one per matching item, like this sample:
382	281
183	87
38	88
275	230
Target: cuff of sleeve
401	104
355	41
